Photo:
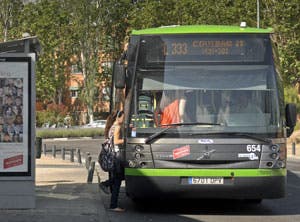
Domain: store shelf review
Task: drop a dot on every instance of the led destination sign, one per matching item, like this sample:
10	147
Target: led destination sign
203	49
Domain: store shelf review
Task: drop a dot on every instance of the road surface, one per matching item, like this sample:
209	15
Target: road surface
281	210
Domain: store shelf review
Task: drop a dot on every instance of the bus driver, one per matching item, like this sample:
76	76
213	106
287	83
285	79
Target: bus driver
170	109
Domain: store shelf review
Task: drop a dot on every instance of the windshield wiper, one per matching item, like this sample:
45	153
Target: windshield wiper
169	126
251	136
258	138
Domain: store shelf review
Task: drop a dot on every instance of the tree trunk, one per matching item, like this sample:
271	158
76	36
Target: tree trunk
5	34
91	115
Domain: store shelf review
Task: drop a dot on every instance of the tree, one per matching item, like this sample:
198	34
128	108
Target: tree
86	24
283	16
9	10
95	30
99	31
48	19
149	13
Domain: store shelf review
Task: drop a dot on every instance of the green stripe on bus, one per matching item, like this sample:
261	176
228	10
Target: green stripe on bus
190	29
205	172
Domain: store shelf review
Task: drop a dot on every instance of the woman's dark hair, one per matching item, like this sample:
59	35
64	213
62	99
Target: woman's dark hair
120	113
110	121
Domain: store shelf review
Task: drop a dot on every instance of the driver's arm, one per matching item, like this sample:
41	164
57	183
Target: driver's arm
157	112
181	108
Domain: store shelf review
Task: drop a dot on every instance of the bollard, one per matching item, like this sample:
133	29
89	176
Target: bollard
71	155
63	153
45	149
91	172
38	147
54	151
87	160
294	148
78	156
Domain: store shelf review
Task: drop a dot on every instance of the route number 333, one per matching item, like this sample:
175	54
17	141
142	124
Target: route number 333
253	148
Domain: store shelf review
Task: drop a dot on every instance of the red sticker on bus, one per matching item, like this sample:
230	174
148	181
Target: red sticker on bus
13	161
181	152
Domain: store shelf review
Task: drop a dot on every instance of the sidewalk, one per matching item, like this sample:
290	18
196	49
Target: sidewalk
62	195
290	140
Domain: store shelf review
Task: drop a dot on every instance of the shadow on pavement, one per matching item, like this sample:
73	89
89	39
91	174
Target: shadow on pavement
62	203
173	208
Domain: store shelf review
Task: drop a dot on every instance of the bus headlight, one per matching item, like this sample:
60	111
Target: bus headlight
131	164
139	148
142	164
138	155
281	164
275	148
274	155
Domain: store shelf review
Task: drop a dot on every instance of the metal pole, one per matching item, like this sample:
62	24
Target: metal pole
54	151
63	153
91	172
72	155
294	148
78	156
88	159
257	4
45	149
26	46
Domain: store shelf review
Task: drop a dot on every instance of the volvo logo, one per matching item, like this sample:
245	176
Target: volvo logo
205	141
207	154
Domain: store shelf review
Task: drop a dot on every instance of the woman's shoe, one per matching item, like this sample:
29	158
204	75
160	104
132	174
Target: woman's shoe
117	209
104	188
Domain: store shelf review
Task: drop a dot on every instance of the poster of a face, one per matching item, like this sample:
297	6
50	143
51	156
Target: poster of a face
14	113
11	115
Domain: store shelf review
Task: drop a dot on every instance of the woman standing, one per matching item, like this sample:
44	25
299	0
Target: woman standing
117	174
105	186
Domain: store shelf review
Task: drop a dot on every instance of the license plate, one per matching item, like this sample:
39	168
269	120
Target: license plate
206	180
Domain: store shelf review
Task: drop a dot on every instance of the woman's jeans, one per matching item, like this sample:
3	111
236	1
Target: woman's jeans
116	181
116	177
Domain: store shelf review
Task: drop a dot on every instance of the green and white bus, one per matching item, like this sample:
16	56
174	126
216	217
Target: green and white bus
213	150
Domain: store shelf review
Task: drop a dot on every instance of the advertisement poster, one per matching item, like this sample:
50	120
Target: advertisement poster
14	116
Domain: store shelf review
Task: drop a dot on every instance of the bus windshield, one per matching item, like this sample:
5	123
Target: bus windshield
226	81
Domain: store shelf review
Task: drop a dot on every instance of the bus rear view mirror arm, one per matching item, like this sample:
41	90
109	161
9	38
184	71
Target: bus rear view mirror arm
119	75
291	117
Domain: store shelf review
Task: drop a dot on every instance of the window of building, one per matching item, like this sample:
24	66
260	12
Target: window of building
74	93
107	65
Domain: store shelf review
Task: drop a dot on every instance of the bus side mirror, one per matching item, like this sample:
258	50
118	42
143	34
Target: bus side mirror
119	75
291	117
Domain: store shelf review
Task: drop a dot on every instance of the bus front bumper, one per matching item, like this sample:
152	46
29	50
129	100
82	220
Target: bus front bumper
177	183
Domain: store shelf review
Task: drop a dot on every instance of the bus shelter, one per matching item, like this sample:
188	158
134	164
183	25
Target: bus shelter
17	123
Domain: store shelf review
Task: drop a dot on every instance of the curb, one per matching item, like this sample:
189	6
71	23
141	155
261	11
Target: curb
72	138
293	157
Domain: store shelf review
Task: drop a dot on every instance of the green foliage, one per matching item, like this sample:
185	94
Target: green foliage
93	28
70	132
55	114
291	96
48	20
188	12
283	16
98	28
9	10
